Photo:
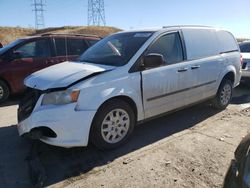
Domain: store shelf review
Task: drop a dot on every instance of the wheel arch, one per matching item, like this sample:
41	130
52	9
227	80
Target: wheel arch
7	83
229	76
124	98
229	73
92	138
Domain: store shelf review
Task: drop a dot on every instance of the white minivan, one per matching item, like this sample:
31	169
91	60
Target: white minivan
129	77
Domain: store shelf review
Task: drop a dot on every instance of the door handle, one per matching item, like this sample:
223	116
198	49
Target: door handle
195	67
183	69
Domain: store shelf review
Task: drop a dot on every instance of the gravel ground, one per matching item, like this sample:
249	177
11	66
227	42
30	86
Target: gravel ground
189	148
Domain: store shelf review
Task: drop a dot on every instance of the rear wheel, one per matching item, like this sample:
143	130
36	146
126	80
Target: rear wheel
224	95
4	91
112	125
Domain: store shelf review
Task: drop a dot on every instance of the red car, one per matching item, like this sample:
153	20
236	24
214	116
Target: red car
27	55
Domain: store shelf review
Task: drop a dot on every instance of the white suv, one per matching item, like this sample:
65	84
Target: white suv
126	78
245	52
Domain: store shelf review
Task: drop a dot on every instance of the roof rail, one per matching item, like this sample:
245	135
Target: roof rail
69	34
187	26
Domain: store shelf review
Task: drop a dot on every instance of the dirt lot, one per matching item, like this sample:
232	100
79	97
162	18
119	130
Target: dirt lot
189	148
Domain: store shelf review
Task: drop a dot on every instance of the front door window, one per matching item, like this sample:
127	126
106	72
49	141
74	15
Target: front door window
34	49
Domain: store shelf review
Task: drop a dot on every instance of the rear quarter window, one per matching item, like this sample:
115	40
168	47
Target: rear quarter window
227	41
200	43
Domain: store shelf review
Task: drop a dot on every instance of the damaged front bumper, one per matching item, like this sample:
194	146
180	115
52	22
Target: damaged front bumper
59	125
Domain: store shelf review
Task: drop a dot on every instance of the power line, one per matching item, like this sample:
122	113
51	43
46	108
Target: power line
39	16
96	12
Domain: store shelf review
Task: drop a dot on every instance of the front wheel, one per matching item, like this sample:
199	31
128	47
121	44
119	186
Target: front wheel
224	95
112	125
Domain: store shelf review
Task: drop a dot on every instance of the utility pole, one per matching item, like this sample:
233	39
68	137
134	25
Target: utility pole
96	12
39	17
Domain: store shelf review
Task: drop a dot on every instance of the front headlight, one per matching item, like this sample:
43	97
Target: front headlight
61	97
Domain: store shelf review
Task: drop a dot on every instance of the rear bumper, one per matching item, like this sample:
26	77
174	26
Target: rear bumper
71	127
245	73
246	69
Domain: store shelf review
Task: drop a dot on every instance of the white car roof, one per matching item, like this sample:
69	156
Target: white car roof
166	28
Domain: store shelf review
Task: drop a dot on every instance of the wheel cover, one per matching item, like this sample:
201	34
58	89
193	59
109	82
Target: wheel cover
225	95
115	126
1	92
246	175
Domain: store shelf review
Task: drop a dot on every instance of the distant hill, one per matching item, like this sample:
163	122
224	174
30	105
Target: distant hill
9	34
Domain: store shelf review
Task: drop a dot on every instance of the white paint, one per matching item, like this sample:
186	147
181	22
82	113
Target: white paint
61	75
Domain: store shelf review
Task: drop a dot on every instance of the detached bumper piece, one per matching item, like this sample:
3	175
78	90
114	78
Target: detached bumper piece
40	132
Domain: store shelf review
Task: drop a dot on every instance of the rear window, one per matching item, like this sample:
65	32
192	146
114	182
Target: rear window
227	41
70	46
76	46
245	47
200	43
60	46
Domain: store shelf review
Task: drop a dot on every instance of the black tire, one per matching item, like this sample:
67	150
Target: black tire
96	133
4	91
219	102
239	170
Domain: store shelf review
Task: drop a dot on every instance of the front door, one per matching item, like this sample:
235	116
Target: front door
28	58
165	87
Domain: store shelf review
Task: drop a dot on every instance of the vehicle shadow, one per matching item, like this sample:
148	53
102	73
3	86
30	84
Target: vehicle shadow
241	94
61	164
13	163
13	100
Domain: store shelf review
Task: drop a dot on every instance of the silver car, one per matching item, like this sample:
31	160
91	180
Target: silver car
245	52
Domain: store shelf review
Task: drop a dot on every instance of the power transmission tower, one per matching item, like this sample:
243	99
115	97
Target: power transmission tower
96	12
39	17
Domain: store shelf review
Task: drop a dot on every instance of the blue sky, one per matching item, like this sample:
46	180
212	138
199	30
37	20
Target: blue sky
233	15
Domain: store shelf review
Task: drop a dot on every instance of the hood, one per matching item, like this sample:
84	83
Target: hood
63	75
245	55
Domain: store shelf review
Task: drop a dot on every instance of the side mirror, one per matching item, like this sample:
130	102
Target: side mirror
153	60
16	55
12	55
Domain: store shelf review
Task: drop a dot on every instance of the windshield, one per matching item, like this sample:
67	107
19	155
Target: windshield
245	47
115	50
10	45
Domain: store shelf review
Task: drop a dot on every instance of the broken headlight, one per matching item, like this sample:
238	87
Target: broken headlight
61	97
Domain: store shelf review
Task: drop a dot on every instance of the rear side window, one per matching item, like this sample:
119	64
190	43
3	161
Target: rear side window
227	42
200	43
39	48
245	47
60	46
76	46
169	46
